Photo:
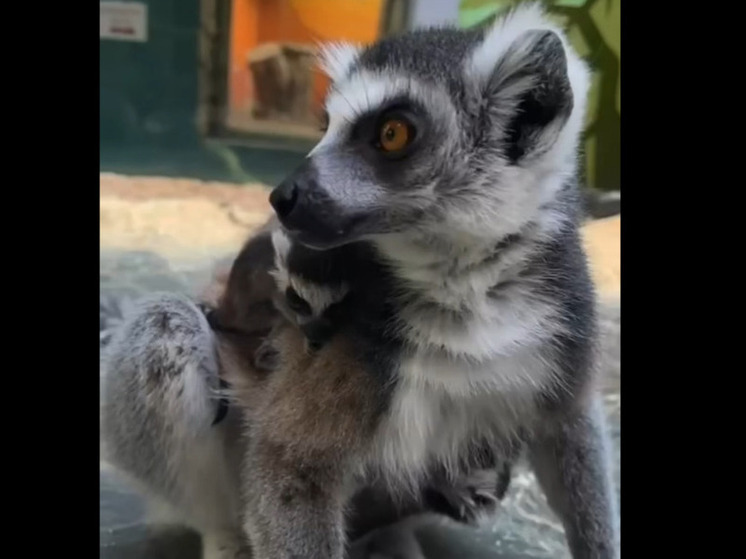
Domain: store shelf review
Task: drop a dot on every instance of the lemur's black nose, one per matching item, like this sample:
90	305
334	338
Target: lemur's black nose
284	197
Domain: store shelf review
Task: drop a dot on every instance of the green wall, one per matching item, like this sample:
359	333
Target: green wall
149	102
149	90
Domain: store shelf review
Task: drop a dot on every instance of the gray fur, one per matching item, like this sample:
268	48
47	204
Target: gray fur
572	466
160	399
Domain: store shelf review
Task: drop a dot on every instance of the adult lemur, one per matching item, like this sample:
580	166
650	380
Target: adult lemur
443	209
435	227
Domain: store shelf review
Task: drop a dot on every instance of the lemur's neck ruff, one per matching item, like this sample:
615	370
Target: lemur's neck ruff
453	260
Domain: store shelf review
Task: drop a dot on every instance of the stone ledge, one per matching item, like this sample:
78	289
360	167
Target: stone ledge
184	219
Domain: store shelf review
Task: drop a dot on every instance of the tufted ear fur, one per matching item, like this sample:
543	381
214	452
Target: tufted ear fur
531	80
336	59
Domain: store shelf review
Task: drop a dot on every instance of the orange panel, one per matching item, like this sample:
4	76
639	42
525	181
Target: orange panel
350	20
244	37
301	21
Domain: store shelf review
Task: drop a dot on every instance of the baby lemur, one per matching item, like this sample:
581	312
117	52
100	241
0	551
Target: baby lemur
182	376
439	217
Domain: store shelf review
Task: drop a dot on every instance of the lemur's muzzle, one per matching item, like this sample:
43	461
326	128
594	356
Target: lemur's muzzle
307	212
284	198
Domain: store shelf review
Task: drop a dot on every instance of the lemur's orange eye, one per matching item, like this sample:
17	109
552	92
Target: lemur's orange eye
395	135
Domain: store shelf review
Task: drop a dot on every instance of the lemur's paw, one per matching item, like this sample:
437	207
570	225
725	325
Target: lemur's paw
469	499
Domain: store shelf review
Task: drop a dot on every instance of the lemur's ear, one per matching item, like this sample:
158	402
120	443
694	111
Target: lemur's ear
530	85
537	70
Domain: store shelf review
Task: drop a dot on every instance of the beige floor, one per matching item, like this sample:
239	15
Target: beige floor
185	219
603	245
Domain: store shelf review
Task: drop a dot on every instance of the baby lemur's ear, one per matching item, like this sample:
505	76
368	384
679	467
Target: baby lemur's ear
531	80
246	302
212	293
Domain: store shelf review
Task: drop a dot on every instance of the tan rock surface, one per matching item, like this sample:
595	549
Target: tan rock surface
188	219
249	196
180	219
602	240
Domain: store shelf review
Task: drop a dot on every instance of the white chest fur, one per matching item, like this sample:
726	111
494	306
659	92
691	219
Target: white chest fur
440	405
477	358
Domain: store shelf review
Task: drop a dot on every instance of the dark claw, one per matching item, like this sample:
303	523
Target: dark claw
222	405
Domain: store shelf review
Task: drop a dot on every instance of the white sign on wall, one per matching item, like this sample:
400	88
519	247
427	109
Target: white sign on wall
124	21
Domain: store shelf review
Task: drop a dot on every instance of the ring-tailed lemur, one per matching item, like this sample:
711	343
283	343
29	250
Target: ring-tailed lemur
439	216
166	424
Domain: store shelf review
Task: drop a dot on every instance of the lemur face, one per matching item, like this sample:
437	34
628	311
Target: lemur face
317	325
314	303
437	130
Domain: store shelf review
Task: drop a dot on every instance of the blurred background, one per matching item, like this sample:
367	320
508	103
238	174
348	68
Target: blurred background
205	104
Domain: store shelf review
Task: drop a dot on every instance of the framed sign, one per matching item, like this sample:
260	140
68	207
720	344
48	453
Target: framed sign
123	21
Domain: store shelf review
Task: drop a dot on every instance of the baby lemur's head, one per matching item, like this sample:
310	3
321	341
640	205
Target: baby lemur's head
469	132
259	294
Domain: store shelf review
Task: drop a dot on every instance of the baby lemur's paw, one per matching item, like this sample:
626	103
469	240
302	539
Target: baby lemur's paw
267	356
